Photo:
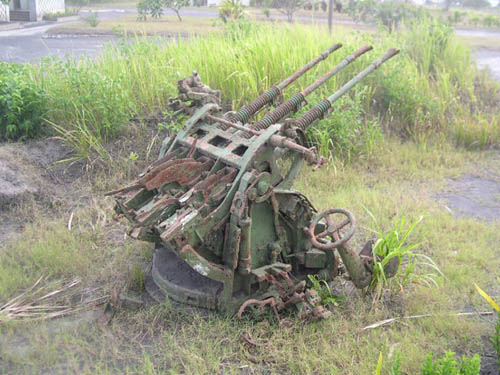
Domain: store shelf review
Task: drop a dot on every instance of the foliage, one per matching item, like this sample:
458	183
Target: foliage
476	3
393	245
457	17
54	16
348	133
78	4
231	10
289	7
491	20
328	298
153	8
92	19
390	14
22	104
431	88
448	365
176	6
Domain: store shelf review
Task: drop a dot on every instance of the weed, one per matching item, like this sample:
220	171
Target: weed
54	16
22	104
231	10
391	246
448	365
328	298
92	19
419	94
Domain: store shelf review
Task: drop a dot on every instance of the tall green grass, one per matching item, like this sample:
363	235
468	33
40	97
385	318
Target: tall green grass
426	90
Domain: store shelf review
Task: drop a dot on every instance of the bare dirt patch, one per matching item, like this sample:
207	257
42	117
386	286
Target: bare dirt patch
29	173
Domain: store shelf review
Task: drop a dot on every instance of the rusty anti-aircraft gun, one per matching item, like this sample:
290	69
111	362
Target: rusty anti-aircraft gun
230	233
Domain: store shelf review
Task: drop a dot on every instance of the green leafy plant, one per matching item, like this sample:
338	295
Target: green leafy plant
92	19
289	7
448	365
54	16
176	6
154	8
22	103
231	10
390	14
392	246
328	298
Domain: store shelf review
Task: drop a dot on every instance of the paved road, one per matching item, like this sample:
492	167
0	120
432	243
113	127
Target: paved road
31	43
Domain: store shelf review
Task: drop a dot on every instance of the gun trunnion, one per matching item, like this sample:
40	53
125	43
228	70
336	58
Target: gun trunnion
230	232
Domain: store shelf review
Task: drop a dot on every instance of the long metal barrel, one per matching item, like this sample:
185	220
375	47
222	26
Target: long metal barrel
324	106
245	113
292	104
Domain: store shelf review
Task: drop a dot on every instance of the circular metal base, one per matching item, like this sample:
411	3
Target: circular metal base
173	277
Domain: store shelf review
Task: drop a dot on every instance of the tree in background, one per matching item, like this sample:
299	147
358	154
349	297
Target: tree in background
289	7
154	8
176	6
468	3
388	13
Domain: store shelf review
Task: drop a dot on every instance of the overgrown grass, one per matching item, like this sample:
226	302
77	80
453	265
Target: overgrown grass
162	340
431	89
417	95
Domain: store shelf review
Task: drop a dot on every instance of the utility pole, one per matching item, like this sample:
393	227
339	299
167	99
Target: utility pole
330	15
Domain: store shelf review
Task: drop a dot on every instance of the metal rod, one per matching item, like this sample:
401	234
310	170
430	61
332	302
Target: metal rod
245	113
293	104
232	124
308	66
324	106
335	70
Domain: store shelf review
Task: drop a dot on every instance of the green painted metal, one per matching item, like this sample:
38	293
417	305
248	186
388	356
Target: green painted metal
228	230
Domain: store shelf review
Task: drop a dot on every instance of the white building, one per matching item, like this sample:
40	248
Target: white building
29	10
216	3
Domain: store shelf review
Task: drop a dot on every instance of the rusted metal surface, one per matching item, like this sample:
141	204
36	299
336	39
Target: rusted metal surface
324	106
229	233
294	103
274	93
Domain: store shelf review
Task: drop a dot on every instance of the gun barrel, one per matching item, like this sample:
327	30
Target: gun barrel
324	106
292	104
245	113
308	66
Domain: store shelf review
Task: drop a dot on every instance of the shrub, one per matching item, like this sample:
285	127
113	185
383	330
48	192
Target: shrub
231	10
448	365
419	93
22	104
92	19
154	8
393	245
54	16
390	14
